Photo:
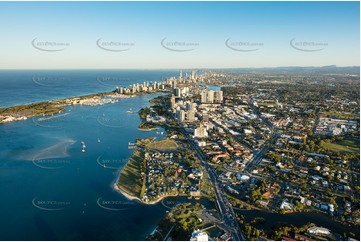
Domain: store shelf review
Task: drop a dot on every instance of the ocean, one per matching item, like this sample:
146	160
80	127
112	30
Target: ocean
28	86
50	189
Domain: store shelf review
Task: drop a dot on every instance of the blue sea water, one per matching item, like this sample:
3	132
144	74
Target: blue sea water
28	86
50	189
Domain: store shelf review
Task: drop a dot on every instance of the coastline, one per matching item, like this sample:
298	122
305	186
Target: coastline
48	108
124	193
51	107
150	129
24	111
130	197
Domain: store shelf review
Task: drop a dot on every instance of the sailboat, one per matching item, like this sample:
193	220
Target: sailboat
98	140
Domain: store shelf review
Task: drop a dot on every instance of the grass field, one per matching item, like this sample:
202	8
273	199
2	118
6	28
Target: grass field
341	115
166	144
267	104
344	146
130	175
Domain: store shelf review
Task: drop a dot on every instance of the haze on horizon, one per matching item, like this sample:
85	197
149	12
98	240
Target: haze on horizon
173	35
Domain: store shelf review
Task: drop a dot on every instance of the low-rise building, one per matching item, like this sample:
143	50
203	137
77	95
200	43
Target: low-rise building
318	231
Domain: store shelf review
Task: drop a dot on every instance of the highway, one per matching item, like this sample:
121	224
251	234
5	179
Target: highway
229	221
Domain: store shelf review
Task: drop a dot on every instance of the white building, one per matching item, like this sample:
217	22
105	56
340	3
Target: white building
190	115
204	97
243	178
286	205
200	132
198	235
318	231
210	97
172	101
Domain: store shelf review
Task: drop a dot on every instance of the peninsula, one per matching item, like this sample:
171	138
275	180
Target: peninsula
22	112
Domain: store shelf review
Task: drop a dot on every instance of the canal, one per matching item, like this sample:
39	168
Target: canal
272	220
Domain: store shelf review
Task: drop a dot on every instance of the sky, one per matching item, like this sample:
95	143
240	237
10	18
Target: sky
168	35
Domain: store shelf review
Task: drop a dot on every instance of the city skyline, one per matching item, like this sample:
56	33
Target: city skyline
174	35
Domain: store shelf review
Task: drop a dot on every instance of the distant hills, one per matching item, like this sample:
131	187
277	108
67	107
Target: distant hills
332	69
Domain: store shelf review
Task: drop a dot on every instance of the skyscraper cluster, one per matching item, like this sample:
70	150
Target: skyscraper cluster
212	97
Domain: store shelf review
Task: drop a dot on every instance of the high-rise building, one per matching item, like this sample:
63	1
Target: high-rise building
201	132
218	96
174	83
210	96
190	115
193	75
144	88
180	115
205	117
172	101
204	97
188	106
193	106
177	92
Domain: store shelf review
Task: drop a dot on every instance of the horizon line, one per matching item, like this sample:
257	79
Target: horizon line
189	68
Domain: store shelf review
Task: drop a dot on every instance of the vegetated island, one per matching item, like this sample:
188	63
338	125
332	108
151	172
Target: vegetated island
22	112
47	108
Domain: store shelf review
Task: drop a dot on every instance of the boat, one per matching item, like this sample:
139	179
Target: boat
98	140
83	146
130	110
131	145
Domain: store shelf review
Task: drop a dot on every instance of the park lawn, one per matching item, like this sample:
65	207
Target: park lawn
166	144
341	115
130	176
344	146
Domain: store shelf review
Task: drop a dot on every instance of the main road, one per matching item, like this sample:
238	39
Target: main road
258	157
228	216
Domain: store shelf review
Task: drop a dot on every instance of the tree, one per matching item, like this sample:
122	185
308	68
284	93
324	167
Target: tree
275	157
142	191
219	168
